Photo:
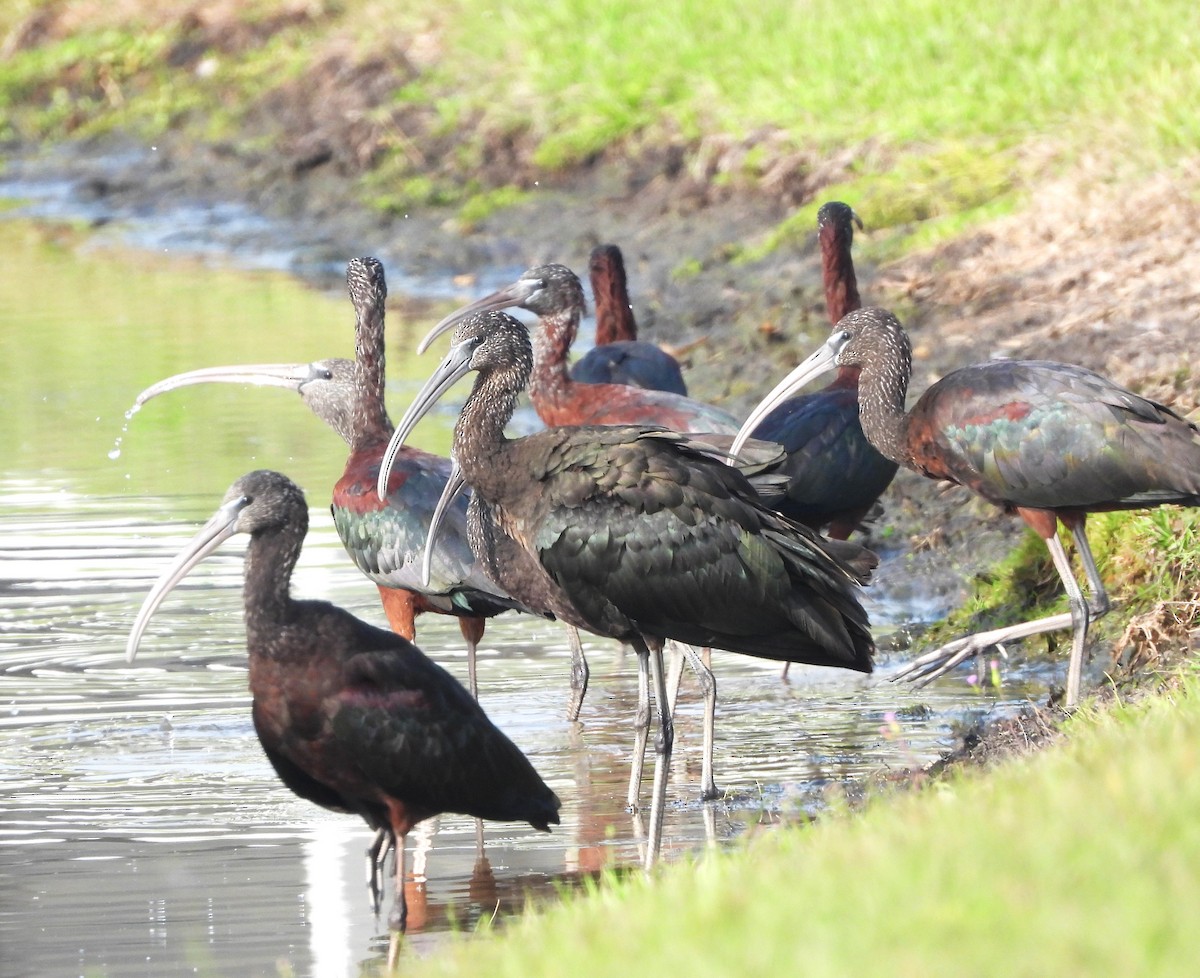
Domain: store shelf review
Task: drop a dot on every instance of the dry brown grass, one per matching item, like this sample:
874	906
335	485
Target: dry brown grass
1093	273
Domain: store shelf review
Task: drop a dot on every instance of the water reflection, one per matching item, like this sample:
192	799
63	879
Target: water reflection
141	829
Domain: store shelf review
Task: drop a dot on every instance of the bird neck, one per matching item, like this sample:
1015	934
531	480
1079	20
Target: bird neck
270	560
369	419
882	388
837	272
552	339
479	439
614	317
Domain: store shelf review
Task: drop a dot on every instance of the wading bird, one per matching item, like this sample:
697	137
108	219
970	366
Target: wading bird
386	537
836	474
1048	441
619	357
554	293
649	533
352	717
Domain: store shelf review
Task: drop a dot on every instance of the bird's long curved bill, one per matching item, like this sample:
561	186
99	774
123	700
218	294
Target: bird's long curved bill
449	372
505	298
454	485
289	375
822	360
216	531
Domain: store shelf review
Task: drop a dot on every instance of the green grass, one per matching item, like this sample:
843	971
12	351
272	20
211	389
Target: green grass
1082	859
1145	557
934	107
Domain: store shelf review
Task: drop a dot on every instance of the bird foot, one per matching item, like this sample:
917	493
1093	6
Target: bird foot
928	667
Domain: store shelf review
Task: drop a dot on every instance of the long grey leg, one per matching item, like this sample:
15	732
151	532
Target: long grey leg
641	727
1079	618
579	674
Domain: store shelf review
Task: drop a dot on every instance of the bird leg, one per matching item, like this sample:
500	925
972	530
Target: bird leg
675	674
377	853
398	918
400	607
708	686
641	727
472	632
662	760
1099	604
708	689
928	667
579	674
1079	610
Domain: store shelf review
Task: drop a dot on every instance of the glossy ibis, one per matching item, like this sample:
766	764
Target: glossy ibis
650	533
554	293
836	474
386	539
619	357
353	717
1048	441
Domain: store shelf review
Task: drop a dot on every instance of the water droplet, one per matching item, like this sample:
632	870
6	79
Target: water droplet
115	454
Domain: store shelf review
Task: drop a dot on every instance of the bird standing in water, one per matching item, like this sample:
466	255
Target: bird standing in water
619	357
555	294
1048	441
385	536
649	533
352	717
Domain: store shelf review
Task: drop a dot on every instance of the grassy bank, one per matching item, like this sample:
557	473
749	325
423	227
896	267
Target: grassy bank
929	117
1079	860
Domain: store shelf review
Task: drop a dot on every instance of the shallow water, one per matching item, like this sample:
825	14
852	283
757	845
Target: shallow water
141	829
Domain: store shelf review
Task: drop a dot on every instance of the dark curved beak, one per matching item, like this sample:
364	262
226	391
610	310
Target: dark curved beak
509	297
856	219
216	531
449	372
454	485
290	375
825	358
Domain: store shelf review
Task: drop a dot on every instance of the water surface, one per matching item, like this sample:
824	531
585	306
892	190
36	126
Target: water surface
141	829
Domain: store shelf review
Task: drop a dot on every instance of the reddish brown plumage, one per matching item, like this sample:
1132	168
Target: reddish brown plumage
352	717
555	294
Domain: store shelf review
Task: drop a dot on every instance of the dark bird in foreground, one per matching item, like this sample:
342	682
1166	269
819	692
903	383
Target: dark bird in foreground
385	536
352	717
555	294
649	533
619	357
1048	441
836	474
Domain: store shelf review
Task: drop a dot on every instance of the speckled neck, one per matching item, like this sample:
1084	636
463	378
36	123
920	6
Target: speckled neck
550	383
479	439
882	388
370	418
